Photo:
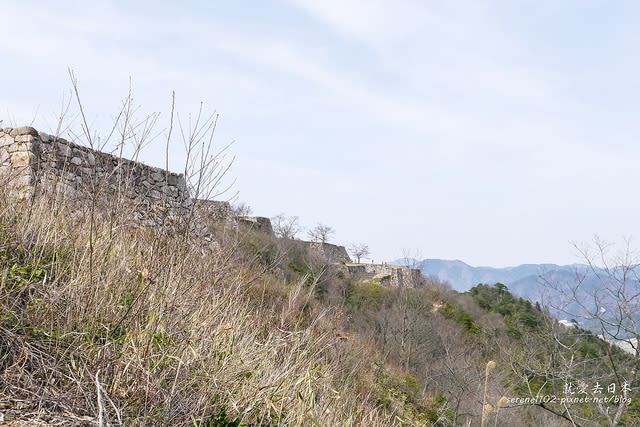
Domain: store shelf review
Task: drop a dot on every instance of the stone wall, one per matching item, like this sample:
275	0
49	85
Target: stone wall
216	210
327	251
388	275
17	159
33	162
256	223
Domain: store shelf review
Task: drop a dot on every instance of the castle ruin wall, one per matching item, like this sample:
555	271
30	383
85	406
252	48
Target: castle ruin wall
32	162
389	275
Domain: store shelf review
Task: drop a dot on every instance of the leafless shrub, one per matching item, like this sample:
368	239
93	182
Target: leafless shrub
359	250
241	209
286	227
321	233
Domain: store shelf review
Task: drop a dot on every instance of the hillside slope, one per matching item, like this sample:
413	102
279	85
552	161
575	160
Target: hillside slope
139	326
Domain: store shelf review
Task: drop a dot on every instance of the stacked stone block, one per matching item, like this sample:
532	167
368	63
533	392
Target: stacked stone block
389	275
33	162
256	223
329	252
17	158
216	210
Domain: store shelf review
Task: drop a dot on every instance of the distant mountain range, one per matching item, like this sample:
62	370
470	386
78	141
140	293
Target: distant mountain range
525	280
529	281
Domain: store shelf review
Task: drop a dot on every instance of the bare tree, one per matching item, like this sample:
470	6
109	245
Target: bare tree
580	358
411	258
241	209
359	250
285	227
604	297
321	233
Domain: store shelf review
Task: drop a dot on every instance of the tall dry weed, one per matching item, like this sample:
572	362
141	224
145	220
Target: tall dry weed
163	329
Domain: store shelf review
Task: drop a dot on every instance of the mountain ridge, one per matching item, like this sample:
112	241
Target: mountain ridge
525	280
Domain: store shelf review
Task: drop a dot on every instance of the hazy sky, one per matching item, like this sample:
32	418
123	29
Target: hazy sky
491	132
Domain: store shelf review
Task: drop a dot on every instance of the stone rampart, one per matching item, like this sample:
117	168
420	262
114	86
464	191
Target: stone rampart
33	162
388	275
216	210
256	223
329	252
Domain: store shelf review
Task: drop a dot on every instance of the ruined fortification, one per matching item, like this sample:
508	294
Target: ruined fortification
327	251
33	162
220	212
217	210
256	223
389	275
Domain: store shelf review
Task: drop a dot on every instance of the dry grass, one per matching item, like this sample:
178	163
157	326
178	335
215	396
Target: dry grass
121	325
106	323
